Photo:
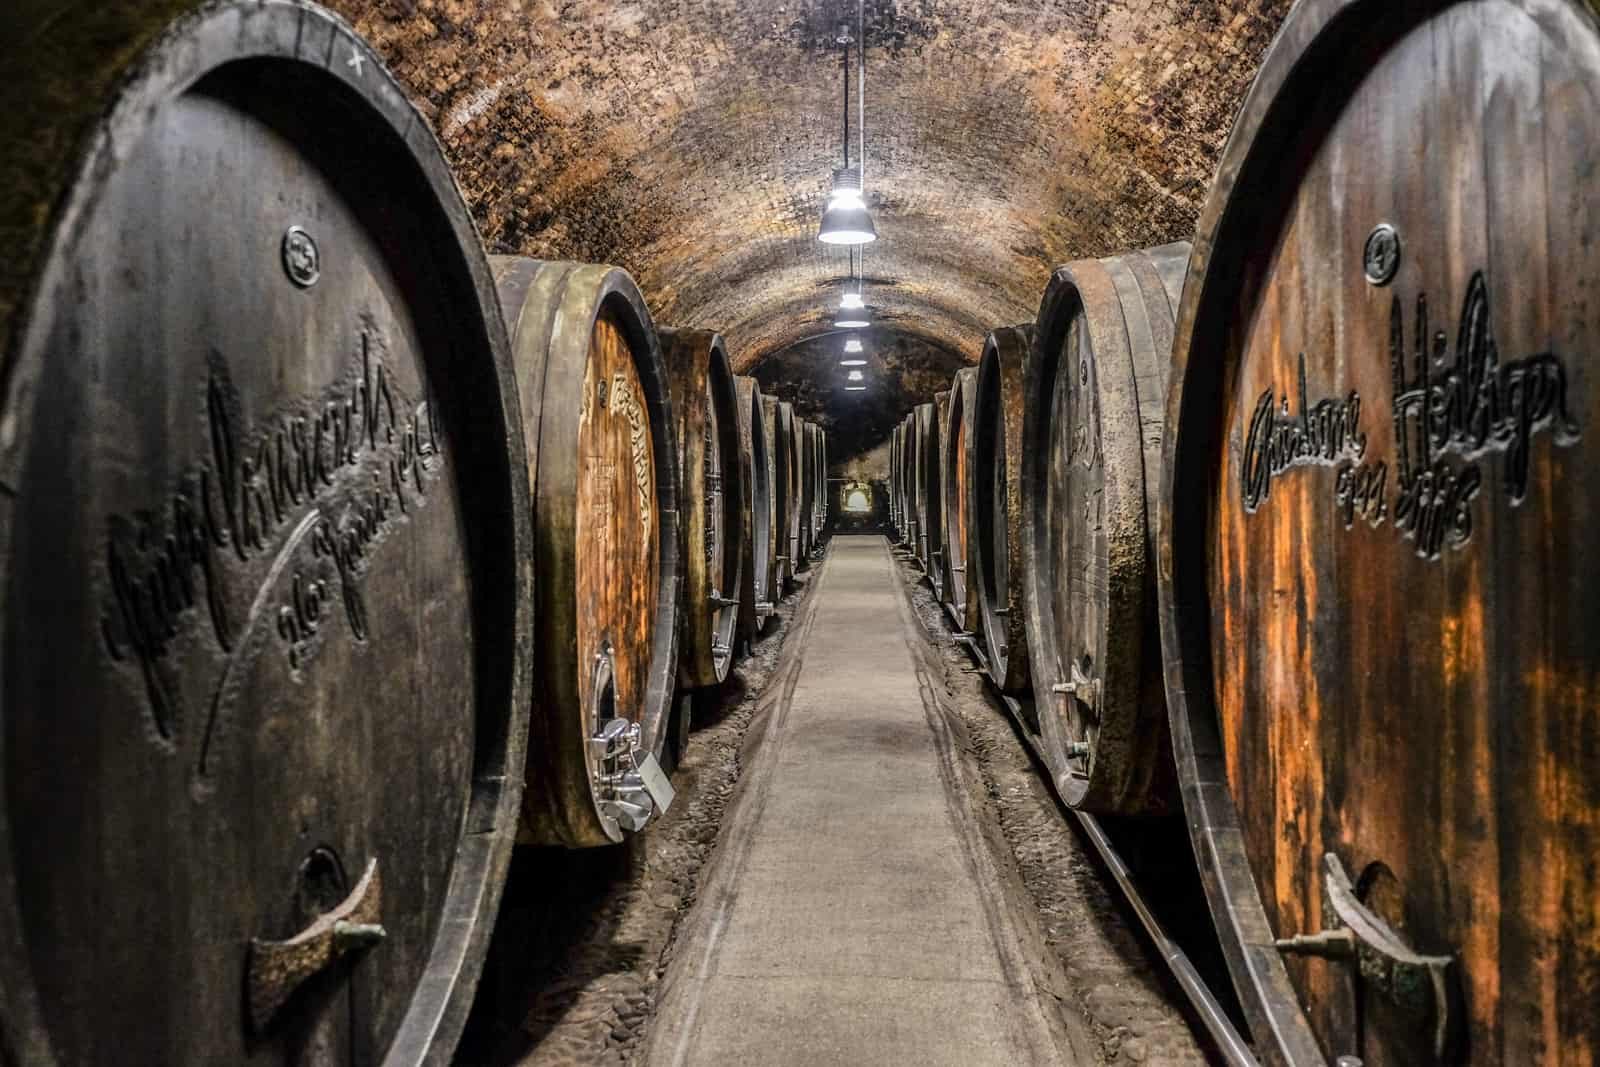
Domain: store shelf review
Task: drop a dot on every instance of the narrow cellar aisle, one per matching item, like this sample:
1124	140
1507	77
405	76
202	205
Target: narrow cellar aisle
854	914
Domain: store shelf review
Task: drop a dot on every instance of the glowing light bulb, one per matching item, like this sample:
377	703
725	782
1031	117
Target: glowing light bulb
853	345
854	376
851	302
852	363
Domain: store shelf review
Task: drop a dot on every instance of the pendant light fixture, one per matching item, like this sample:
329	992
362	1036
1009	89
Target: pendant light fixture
853	345
852	363
853	376
845	219
852	309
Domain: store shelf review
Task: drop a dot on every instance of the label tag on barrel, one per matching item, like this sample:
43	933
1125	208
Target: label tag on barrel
656	783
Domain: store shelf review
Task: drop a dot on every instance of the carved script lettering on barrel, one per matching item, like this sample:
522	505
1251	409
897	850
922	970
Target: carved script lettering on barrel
625	402
309	494
1451	408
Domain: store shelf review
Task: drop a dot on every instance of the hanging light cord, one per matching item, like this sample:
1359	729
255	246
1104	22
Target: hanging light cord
861	95
845	67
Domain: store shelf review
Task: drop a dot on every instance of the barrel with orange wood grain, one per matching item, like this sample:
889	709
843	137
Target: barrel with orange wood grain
995	503
1093	406
756	575
711	500
603	459
1378	591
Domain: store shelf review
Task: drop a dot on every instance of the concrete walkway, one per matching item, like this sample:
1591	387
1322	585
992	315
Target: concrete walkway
852	913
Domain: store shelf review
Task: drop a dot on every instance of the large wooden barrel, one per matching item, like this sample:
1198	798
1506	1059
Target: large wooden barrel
908	480
603	462
823	497
794	486
893	483
930	492
267	559
757	580
995	502
779	430
805	463
957	444
925	482
711	500
1380	616
1093	403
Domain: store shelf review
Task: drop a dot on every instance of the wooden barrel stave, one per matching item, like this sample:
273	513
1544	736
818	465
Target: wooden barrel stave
1383	650
996	504
603	462
711	498
757	582
224	694
957	462
1094	401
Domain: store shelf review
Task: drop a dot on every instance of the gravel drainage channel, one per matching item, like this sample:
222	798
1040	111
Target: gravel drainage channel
583	936
1114	980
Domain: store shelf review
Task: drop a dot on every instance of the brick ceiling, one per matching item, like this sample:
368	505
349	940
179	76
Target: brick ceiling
691	142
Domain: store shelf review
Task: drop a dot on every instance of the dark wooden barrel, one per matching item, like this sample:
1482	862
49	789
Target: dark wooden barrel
779	430
893	483
757	579
995	502
711	500
957	442
908	481
930	482
805	462
1092	411
267	558
1380	615
824	497
793	489
602	458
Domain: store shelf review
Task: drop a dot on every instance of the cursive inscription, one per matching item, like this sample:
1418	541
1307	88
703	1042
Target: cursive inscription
1452	408
1325	433
625	401
309	494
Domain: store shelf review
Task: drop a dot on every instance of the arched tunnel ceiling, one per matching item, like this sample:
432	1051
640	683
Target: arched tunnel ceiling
691	142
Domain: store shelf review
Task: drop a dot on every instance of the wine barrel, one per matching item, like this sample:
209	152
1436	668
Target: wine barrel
893	483
908	481
823	494
757	576
805	462
795	487
957	460
1378	608
930	492
995	502
711	499
1092	410
819	484
602	458
779	429
267	559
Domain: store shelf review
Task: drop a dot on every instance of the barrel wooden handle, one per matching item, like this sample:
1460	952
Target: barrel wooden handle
278	968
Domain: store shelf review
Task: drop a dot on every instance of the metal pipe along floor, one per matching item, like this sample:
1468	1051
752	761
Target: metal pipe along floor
853	913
